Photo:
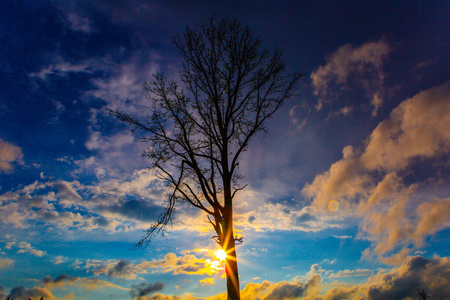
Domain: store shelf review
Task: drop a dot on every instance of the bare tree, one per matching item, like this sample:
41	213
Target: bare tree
230	85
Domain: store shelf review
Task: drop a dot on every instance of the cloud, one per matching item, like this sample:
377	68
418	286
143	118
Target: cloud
88	283
144	289
352	273
67	194
370	182
25	247
6	262
131	202
115	268
124	83
60	67
186	264
207	281
20	293
415	272
254	211
9	155
349	66
281	290
59	259
416	128
431	274
79	23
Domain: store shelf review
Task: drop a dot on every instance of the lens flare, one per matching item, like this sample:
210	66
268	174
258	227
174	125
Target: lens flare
333	205
220	254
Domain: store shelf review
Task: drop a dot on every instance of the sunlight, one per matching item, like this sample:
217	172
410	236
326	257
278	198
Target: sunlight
221	254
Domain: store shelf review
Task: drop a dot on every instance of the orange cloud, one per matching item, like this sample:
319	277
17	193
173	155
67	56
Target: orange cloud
368	181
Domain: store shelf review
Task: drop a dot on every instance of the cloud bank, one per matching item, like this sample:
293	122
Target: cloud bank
372	182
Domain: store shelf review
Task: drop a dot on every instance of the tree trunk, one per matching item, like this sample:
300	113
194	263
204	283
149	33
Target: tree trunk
231	269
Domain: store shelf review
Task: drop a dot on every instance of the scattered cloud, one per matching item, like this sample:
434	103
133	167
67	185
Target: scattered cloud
207	281
370	182
59	259
25	247
349	66
9	156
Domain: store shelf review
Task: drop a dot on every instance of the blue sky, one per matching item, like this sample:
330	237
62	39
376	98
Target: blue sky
369	129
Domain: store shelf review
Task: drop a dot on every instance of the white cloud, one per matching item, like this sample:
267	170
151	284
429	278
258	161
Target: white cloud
25	247
361	66
9	155
123	88
61	67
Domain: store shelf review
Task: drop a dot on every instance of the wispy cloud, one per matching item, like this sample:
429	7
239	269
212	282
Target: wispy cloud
79	23
352	273
353	66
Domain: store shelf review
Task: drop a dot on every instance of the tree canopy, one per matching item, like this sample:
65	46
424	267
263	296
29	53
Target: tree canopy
199	125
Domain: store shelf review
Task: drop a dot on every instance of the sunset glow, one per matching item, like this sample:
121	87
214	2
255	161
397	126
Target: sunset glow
220	254
342	193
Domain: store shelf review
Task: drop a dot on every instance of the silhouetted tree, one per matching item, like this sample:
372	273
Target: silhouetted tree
230	85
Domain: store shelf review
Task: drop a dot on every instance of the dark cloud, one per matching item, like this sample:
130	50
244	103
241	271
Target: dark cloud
119	268
415	272
287	290
144	289
306	217
61	278
19	292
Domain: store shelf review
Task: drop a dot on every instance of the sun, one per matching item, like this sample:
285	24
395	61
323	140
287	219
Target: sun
220	254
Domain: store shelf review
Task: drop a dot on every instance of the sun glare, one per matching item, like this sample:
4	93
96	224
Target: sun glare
220	254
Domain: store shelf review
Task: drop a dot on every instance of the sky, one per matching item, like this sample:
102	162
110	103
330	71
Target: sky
348	194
